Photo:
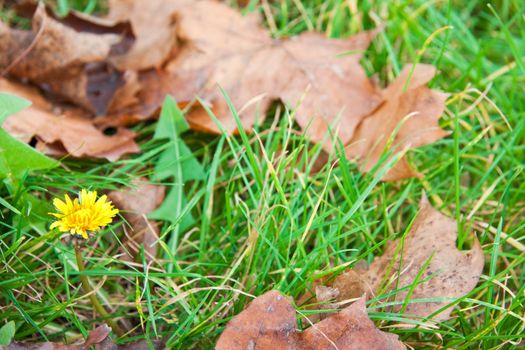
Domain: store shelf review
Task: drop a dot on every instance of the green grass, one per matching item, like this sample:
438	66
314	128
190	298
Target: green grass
263	223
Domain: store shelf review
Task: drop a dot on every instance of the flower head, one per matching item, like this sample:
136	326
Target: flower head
83	214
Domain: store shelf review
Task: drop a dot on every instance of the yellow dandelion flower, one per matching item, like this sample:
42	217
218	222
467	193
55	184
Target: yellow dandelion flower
83	214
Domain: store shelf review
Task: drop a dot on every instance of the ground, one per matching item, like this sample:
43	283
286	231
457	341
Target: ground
260	227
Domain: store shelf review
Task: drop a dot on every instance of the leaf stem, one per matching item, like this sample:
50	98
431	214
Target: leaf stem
90	292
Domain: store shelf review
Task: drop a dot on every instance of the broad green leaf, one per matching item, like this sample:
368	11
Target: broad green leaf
11	104
16	157
7	332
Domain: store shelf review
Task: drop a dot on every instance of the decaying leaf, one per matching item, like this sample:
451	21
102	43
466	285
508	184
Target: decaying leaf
95	337
327	87
70	63
348	329
151	47
63	134
409	97
427	259
119	67
55	47
135	204
98	337
269	322
238	54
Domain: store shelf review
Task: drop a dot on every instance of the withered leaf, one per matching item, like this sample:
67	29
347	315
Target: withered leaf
57	47
238	54
135	203
61	134
70	63
154	26
98	337
95	337
348	329
269	322
450	273
409	97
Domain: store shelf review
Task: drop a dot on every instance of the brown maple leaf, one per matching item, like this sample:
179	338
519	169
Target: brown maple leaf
412	107
63	134
220	47
237	54
269	323
428	259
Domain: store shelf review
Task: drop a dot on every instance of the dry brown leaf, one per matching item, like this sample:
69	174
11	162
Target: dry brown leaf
406	96
63	134
348	329
70	63
135	204
154	26
450	274
269	323
58	47
98	338
95	337
238	54
217	46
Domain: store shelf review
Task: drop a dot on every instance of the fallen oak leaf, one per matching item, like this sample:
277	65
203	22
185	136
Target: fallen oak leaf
157	84
134	204
269	322
409	97
426	259
73	134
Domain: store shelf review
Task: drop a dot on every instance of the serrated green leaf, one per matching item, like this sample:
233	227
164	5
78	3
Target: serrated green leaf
11	104
7	332
176	162
166	211
191	168
171	122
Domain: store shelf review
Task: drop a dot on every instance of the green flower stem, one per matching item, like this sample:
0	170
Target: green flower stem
86	285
